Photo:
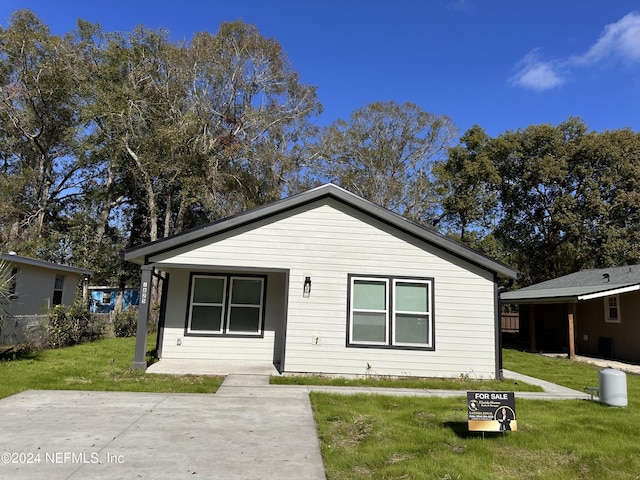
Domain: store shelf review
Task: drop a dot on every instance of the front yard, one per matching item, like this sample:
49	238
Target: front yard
376	437
100	365
381	437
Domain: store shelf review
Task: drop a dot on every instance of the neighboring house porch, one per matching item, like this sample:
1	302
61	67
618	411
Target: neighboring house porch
592	312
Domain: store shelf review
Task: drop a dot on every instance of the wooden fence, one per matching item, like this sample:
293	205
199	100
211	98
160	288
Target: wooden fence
510	322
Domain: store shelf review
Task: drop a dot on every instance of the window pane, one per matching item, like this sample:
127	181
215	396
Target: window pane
412	329
244	319
247	291
208	290
57	297
369	295
369	327
13	281
412	297
206	318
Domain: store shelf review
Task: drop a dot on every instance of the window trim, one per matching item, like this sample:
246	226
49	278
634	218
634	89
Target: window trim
191	304
223	330
607	309
390	314
106	297
58	290
416	313
386	341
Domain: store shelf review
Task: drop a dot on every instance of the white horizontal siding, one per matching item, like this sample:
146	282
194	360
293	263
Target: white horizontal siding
327	242
218	348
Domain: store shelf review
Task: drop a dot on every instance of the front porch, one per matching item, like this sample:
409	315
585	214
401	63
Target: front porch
186	366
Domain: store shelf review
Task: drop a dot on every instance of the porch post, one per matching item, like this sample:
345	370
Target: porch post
85	290
532	327
140	358
572	346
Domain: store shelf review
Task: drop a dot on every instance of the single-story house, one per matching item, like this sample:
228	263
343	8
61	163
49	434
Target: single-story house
324	282
592	312
104	298
37	285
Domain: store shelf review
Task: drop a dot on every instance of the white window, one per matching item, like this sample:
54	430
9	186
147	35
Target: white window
106	298
391	312
226	305
612	309
369	311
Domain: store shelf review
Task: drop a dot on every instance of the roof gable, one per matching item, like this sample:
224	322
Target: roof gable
142	253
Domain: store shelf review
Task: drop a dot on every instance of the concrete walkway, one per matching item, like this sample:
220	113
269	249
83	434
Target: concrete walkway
257	385
604	363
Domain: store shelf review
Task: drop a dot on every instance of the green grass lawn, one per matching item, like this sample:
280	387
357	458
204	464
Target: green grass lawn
462	383
378	437
382	437
101	365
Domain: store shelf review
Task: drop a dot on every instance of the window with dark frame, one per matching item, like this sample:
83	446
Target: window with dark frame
13	283
226	305
390	312
58	288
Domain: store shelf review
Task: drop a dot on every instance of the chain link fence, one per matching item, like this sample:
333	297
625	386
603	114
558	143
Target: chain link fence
32	332
21	329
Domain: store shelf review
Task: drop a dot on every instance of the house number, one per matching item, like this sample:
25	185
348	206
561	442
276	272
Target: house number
145	291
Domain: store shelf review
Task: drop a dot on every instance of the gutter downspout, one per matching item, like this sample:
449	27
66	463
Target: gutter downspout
498	328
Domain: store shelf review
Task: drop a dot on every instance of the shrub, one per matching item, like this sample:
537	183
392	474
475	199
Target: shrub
125	323
70	325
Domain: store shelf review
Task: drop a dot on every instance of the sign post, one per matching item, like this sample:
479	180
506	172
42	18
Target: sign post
492	411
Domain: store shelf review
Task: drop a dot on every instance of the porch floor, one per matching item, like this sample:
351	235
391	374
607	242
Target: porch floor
176	366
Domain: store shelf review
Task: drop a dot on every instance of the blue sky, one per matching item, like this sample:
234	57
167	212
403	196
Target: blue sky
501	64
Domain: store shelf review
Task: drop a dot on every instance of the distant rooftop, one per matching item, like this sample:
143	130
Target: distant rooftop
578	286
14	258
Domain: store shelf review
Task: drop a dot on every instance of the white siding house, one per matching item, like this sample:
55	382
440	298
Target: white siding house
37	286
326	282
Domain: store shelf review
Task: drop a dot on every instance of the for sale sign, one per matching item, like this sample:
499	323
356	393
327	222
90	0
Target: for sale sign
491	411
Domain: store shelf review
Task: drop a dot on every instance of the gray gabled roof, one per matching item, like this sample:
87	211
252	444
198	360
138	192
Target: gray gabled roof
13	258
583	285
142	253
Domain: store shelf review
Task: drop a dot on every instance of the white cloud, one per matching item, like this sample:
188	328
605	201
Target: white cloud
536	74
620	40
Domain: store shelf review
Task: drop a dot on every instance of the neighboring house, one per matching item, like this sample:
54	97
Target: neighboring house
103	299
592	312
324	282
37	285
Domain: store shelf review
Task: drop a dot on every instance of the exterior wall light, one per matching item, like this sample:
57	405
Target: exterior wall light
306	290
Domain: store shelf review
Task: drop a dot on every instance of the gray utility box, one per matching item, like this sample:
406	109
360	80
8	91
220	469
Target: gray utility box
613	387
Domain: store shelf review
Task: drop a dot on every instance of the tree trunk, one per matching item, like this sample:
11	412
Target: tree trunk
151	197
105	211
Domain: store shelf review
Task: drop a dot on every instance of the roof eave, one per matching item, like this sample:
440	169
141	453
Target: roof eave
141	254
545	300
41	263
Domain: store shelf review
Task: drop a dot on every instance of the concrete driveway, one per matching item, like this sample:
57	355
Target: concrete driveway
233	434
